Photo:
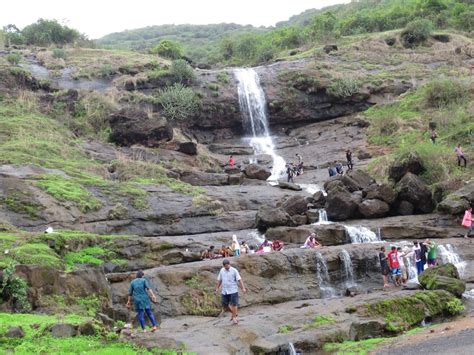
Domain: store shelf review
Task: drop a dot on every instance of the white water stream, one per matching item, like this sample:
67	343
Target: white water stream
449	255
322	276
253	107
360	234
347	268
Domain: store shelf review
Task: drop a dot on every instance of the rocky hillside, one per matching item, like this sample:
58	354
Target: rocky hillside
91	148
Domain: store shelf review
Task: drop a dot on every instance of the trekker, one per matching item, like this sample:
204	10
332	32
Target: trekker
141	292
433	136
235	246
350	163
290	172
300	158
394	266
432	252
417	255
231	161
384	266
339	169
460	155
229	278
467	222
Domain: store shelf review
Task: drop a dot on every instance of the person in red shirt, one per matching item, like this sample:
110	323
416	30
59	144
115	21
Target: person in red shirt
231	161
394	266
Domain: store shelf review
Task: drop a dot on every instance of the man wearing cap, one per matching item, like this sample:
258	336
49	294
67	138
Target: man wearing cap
229	278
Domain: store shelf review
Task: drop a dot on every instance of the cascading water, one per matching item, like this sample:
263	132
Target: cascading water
252	105
256	236
347	269
360	234
449	255
291	349
411	268
322	276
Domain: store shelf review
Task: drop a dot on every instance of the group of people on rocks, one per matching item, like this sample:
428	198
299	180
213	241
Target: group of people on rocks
337	169
294	169
238	249
393	264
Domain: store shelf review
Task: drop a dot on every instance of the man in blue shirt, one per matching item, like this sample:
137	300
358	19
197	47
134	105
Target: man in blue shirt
229	278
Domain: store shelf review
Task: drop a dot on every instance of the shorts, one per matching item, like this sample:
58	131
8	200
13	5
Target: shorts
385	270
432	262
396	271
230	299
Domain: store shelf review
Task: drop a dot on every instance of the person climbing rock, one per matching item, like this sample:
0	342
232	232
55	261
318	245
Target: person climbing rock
141	293
394	266
467	222
231	161
350	163
384	266
460	155
229	278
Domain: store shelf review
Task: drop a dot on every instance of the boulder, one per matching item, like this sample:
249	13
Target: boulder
458	201
413	189
319	199
443	38
133	127
405	208
236	179
299	220
289	186
88	328
363	155
341	205
334	184
189	148
367	330
407	163
255	171
361	178
295	205
269	216
328	48
232	170
373	208
382	192
63	330
15	332
198	178
443	277
313	215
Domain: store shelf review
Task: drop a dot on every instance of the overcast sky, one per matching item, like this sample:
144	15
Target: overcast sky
100	17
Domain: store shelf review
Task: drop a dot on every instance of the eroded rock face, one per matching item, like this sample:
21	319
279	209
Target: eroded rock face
408	163
382	192
413	189
294	205
133	127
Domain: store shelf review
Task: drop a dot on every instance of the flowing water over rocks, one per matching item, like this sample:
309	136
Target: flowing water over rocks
360	234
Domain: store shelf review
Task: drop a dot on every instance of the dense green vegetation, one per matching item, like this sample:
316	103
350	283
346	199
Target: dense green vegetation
233	44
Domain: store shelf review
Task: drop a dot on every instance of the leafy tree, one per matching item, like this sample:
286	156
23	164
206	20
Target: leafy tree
47	32
416	32
324	25
178	102
13	35
169	49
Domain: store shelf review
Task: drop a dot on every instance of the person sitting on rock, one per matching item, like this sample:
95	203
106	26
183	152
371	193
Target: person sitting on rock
224	252
339	169
277	245
244	248
208	253
311	242
231	161
332	171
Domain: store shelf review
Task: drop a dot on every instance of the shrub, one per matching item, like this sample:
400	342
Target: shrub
59	53
106	70
444	92
15	289
169	49
416	32
178	101
14	58
223	77
182	72
46	32
454	306
343	87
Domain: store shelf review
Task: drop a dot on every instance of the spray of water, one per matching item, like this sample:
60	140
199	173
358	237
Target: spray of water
322	277
360	234
252	105
449	255
347	268
256	236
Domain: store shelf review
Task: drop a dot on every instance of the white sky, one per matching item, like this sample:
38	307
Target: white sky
100	17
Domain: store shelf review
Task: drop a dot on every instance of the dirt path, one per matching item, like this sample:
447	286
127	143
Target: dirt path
447	338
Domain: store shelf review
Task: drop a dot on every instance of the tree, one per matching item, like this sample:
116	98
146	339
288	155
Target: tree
46	32
13	35
182	72
169	49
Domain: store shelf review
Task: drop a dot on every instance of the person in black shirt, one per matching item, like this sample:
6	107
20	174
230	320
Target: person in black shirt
384	266
424	250
350	164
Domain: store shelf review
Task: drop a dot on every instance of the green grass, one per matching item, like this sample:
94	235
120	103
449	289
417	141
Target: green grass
284	329
36	254
92	256
319	321
353	347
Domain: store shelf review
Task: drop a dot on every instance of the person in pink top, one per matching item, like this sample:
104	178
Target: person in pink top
460	155
467	222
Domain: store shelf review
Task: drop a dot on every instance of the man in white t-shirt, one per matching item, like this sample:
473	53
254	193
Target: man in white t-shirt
229	278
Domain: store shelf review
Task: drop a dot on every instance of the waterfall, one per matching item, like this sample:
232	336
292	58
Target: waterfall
411	268
449	255
347	267
255	235
253	107
291	349
322	276
360	234
312	188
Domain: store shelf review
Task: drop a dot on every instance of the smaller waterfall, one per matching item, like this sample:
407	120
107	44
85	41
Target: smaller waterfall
256	236
322	276
291	349
347	269
360	234
449	255
312	188
323	216
411	268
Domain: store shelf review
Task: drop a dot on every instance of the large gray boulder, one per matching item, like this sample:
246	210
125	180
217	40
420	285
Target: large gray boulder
413	189
255	171
199	178
294	205
361	178
458	201
289	186
327	234
382	192
269	216
373	208
63	330
407	163
341	205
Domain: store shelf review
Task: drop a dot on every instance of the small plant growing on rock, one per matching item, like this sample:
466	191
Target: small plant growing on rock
223	77
343	87
14	289
416	33
445	92
14	58
454	306
182	72
59	53
178	102
285	329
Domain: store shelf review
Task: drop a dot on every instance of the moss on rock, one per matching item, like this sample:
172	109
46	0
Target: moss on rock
443	277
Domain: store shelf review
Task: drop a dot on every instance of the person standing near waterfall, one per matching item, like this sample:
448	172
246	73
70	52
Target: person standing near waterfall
229	278
394	266
384	266
290	171
467	222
